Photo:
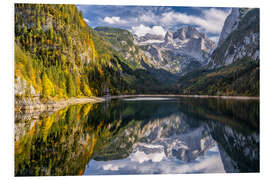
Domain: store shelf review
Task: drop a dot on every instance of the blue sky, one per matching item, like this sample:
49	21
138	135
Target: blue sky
156	19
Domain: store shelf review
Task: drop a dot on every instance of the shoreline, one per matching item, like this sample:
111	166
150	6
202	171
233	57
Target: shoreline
191	96
30	106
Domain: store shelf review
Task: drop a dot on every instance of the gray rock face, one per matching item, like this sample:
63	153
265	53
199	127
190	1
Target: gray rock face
178	49
21	87
187	32
230	25
168	41
239	38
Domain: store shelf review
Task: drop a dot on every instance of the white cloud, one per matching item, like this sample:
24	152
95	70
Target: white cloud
215	19
211	20
86	20
114	20
110	167
141	30
141	157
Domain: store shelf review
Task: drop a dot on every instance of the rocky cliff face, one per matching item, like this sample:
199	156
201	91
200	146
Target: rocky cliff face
123	42
239	38
179	51
230	25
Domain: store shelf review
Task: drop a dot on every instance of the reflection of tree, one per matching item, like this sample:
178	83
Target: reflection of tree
243	115
234	126
64	142
239	151
60	144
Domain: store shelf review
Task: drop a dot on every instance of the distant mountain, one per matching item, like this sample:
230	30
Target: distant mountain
128	45
57	55
181	51
123	42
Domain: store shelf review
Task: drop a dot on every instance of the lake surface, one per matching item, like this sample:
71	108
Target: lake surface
143	135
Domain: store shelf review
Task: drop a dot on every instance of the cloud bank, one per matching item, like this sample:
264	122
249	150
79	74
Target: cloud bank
157	20
141	30
211	20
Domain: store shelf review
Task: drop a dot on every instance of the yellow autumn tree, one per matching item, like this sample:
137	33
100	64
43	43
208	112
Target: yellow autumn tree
86	90
47	86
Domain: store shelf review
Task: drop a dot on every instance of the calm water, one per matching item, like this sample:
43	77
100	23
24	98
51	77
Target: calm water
140	136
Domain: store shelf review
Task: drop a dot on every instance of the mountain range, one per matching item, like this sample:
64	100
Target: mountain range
58	55
179	51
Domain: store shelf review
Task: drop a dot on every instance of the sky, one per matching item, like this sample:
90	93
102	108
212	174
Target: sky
156	19
155	163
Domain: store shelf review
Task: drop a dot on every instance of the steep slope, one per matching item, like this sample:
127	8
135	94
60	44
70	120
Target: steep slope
180	51
238	78
234	67
57	55
124	43
239	38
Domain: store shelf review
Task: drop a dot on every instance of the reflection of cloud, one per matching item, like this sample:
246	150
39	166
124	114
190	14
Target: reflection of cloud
210	163
141	157
110	167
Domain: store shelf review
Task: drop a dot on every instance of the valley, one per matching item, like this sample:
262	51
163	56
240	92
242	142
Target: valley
113	90
57	55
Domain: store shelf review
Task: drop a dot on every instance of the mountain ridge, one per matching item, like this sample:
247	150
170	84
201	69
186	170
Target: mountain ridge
180	49
57	55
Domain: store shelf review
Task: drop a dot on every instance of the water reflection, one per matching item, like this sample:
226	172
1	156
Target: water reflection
178	135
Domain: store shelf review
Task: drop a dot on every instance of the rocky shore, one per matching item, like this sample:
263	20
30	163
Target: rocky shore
31	105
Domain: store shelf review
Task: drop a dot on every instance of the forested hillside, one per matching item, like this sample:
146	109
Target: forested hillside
239	78
58	55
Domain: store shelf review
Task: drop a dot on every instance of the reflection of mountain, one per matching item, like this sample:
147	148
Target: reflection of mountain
173	135
184	130
185	135
185	147
239	152
233	128
156	124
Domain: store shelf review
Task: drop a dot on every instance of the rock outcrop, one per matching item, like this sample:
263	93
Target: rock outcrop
239	38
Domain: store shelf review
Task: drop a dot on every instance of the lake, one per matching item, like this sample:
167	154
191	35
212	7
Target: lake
140	135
